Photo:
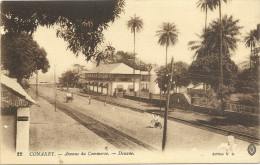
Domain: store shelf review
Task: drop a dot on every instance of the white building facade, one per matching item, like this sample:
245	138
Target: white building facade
111	79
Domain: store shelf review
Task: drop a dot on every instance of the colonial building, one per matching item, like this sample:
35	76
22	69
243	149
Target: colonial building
15	114
115	78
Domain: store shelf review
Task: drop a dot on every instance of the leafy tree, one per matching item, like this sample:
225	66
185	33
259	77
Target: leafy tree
206	69
135	24
69	78
209	41
128	59
206	55
218	3
205	5
168	35
22	56
180	75
81	23
248	78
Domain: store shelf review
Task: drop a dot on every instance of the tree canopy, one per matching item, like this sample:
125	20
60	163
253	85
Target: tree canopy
128	59
205	67
135	24
22	56
209	43
180	75
81	23
69	78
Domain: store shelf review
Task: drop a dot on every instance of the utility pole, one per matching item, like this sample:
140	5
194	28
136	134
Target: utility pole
140	84
161	93
36	84
166	108
55	87
134	65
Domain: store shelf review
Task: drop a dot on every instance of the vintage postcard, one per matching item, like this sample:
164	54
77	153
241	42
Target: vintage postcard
130	81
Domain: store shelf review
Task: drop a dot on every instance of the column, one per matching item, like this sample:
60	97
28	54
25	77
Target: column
22	131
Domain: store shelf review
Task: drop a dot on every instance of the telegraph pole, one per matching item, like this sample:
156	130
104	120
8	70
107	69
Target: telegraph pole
140	83
36	84
166	108
55	87
161	93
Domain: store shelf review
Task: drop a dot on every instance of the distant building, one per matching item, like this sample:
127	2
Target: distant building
115	78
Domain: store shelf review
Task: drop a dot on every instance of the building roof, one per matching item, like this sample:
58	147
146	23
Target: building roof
15	86
116	68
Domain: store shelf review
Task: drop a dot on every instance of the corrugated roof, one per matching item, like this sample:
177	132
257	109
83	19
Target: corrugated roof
116	68
103	68
14	85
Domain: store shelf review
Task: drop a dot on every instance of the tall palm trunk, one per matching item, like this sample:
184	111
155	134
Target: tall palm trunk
206	17
251	55
220	51
134	64
166	56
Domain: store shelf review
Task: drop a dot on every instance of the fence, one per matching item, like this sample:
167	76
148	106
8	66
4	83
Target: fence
243	108
146	95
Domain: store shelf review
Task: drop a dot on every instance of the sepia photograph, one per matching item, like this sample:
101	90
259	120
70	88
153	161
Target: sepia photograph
130	81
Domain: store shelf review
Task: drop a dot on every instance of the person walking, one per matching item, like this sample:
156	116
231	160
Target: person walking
89	100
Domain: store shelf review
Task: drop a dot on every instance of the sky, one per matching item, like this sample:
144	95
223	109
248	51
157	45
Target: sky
188	19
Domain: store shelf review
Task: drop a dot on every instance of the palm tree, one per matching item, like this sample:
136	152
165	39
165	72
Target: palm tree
209	42
135	24
218	2
168	35
250	40
205	5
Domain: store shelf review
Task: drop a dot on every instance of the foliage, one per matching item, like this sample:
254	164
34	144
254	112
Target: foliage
135	24
206	98
81	22
180	75
223	94
248	79
250	39
206	69
69	78
168	34
128	59
207	4
249	100
22	56
210	41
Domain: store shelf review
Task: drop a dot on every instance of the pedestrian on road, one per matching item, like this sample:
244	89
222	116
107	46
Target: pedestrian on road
89	100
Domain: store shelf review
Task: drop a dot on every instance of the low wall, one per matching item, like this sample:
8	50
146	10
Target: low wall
178	100
149	100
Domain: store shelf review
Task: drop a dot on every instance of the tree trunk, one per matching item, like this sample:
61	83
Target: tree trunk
166	109
206	17
166	56
220	51
251	56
